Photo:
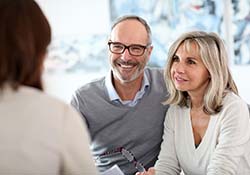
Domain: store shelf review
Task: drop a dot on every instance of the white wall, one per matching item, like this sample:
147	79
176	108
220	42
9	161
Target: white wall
241	75
76	17
73	18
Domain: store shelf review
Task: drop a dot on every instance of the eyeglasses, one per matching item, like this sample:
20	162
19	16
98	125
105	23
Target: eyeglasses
133	49
128	155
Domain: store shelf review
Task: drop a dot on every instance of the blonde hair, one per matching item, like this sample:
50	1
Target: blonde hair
214	56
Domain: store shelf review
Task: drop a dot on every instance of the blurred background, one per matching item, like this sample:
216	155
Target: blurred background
80	29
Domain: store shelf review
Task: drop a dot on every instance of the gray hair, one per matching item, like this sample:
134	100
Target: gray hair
134	17
214	56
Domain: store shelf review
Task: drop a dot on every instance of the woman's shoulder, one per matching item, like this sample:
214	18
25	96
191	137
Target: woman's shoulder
178	112
233	99
177	108
37	100
38	96
234	105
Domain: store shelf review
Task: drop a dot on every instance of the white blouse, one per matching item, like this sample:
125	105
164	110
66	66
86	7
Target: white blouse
223	150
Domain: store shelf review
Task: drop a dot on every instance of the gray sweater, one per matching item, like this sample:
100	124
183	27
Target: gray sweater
139	129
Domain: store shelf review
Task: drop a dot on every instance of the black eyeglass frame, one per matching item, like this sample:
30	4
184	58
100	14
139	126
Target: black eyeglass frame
128	47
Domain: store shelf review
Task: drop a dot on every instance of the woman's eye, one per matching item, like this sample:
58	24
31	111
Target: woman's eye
175	58
191	62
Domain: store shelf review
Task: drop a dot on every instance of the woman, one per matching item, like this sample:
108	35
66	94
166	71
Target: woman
207	127
39	134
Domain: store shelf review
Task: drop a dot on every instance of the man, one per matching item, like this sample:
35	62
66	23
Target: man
123	110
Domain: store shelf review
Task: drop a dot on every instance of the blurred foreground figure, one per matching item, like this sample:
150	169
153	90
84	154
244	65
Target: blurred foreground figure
39	134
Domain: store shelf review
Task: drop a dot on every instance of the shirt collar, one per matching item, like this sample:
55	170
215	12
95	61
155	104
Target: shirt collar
111	90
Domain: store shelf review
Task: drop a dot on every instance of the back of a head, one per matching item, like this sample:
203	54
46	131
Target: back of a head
24	37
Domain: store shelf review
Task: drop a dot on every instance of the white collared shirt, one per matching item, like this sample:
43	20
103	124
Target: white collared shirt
113	96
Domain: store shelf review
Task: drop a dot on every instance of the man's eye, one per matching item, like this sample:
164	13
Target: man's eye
117	47
136	49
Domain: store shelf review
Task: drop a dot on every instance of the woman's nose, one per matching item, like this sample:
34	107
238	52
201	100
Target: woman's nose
179	67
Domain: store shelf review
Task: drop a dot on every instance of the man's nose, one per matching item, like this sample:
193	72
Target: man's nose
126	55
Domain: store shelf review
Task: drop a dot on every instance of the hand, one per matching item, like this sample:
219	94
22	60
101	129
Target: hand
151	171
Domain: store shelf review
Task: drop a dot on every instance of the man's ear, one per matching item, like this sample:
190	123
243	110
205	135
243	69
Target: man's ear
150	49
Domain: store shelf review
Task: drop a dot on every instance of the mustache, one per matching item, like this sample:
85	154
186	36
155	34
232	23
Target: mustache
128	63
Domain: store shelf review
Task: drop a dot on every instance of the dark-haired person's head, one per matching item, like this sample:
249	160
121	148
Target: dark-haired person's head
24	37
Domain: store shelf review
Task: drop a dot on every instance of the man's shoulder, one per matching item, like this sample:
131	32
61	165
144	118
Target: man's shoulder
154	71
89	95
154	74
93	85
157	70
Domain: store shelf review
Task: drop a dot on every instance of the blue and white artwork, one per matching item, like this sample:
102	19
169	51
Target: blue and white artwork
167	18
241	22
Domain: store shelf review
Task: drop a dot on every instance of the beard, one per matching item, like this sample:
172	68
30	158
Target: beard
127	71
